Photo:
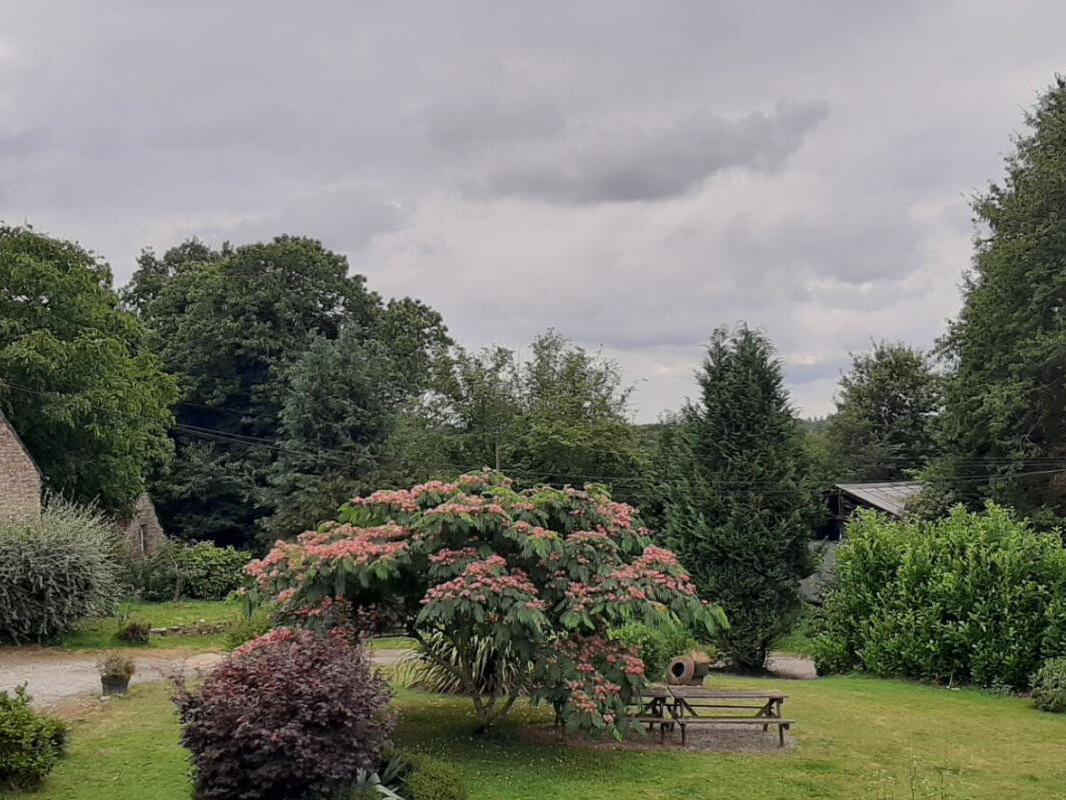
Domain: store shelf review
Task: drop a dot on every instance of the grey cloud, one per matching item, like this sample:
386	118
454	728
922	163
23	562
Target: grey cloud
638	163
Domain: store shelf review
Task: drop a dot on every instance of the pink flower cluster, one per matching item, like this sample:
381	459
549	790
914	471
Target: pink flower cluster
448	558
534	531
482	580
589	537
467	504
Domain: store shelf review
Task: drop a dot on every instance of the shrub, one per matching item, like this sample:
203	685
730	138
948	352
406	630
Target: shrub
966	599
542	575
116	665
199	571
134	631
657	646
1049	686
30	743
249	626
287	715
435	780
56	570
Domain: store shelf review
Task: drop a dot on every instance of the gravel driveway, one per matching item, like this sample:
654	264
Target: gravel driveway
55	675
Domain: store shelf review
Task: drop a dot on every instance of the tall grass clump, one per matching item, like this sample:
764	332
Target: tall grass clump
56	570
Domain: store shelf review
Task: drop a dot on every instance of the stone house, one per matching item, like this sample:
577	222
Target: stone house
20	477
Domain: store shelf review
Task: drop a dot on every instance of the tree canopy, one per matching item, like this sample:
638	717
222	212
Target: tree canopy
232	324
89	400
1004	398
739	509
539	576
887	408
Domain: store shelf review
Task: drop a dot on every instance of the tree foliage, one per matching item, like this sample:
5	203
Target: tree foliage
1007	349
739	511
233	324
88	400
887	408
542	574
558	417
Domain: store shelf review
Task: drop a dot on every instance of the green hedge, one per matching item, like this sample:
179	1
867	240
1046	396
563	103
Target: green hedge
200	571
658	646
971	598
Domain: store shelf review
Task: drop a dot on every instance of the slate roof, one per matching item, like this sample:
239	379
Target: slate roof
888	497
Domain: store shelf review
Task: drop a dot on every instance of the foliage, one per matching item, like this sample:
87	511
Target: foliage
739	508
435	664
435	780
198	571
56	570
230	324
972	598
1004	397
558	417
1048	684
134	631
30	743
286	715
657	647
77	384
116	665
342	404
543	574
249	626
887	409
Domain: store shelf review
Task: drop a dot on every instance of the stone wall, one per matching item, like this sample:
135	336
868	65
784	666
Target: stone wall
20	480
143	533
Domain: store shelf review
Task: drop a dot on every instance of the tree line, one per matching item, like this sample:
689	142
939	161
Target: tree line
253	388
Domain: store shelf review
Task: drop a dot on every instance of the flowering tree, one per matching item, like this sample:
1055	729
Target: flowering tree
541	574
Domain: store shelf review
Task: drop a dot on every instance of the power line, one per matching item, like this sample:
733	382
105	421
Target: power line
342	457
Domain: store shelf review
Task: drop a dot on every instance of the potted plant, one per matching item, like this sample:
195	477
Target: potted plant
115	673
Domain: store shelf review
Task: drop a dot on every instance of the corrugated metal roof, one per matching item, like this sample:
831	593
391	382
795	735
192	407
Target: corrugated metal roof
890	497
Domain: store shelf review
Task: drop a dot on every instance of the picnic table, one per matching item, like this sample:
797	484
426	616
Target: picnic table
681	706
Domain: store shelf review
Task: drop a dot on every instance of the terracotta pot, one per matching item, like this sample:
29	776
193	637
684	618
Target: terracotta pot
115	684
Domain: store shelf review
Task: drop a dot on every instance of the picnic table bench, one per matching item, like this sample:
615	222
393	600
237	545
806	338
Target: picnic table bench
681	706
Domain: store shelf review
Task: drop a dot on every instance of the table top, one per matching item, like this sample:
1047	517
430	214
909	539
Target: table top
692	692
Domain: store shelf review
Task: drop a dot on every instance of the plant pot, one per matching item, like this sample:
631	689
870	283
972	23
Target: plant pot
114	684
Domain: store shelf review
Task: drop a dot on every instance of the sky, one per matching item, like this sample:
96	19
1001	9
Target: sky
633	174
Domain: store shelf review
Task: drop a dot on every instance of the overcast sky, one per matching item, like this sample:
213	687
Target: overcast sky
633	174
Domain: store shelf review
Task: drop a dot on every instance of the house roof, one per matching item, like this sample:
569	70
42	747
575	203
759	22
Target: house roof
4	421
888	497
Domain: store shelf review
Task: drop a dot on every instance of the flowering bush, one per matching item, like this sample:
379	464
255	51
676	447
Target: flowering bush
542	574
289	714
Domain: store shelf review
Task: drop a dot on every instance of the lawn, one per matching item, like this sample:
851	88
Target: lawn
99	634
856	737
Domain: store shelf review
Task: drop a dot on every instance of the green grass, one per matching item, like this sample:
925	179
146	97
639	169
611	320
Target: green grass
856	737
99	634
391	643
800	640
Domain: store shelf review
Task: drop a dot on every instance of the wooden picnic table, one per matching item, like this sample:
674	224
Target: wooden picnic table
681	706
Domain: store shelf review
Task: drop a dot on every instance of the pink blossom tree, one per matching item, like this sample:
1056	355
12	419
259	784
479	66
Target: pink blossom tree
542	575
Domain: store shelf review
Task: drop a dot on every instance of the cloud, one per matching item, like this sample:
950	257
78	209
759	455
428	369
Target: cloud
628	160
632	177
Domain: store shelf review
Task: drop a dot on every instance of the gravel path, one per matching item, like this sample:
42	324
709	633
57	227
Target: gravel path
54	675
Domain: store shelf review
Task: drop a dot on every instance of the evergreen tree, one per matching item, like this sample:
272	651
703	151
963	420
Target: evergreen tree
341	407
888	405
739	510
1004	429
